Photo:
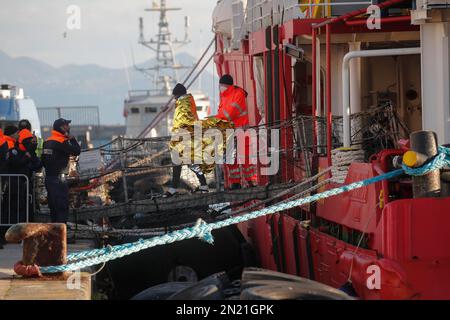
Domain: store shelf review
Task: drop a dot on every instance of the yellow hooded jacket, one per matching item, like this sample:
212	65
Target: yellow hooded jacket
185	113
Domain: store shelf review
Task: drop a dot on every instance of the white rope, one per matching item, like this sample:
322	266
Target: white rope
342	160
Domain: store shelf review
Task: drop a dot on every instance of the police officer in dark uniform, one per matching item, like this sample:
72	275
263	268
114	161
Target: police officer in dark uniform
19	164
28	163
27	140
58	149
9	160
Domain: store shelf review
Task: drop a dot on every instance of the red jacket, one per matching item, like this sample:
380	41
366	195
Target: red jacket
233	106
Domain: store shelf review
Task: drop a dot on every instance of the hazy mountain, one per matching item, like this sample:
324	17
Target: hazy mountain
88	85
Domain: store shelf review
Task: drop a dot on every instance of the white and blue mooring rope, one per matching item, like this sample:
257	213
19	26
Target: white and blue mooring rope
203	230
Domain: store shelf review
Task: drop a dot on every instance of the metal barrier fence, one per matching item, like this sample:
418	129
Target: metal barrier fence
14	199
80	115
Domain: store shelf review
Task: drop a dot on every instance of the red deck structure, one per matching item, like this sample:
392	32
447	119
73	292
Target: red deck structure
405	239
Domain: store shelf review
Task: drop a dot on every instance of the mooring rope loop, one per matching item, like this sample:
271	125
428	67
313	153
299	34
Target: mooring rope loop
440	161
203	230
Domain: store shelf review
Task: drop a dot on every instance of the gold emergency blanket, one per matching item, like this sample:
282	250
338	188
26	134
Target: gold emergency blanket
185	113
189	135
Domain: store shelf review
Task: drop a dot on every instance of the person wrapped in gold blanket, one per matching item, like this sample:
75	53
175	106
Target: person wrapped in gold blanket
193	143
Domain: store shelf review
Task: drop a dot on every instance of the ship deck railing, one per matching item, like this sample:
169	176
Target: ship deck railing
143	93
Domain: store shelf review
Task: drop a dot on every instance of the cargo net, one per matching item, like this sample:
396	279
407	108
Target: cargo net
126	170
372	130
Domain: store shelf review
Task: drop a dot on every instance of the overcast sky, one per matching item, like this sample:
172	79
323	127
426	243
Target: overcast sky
108	34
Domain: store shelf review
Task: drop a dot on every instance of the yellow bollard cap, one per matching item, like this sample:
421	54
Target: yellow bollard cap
410	159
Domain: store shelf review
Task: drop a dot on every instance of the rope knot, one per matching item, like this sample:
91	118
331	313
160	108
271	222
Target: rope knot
27	271
204	231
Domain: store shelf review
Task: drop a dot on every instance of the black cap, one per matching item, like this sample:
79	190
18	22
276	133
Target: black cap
24	124
10	130
179	90
226	79
59	123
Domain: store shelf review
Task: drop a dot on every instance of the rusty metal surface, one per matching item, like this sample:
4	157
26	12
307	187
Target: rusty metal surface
428	186
43	244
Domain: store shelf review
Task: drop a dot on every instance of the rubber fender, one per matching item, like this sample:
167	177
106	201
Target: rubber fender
261	283
210	288
349	289
307	284
232	292
136	273
250	274
285	286
162	291
233	298
205	292
291	291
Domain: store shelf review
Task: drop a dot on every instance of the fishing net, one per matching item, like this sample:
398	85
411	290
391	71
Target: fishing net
372	130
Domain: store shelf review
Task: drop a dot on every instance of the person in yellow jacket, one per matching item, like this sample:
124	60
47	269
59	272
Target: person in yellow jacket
191	153
185	118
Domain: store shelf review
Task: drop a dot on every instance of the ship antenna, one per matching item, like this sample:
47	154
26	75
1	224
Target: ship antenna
144	71
166	67
125	68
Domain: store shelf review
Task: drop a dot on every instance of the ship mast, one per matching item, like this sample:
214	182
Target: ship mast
165	72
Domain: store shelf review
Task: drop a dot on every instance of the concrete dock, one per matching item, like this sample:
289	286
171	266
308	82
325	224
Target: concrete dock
13	287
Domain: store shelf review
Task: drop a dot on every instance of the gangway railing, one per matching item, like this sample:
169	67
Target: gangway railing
261	13
312	6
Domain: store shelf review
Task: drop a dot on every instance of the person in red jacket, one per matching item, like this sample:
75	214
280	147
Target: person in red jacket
233	108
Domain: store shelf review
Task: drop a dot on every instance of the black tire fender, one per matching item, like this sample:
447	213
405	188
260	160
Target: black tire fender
162	291
291	291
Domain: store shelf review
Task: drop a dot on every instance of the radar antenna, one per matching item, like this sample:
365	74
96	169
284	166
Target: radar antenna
166	68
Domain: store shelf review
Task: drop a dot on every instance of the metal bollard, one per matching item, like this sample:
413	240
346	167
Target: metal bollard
43	245
424	146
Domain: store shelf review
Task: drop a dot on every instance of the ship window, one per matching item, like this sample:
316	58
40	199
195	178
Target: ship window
199	108
134	110
151	110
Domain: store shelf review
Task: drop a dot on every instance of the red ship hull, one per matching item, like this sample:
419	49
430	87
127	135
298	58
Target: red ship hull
406	240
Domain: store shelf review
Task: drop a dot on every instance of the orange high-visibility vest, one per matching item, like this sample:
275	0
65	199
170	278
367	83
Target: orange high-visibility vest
58	137
233	106
23	135
11	142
